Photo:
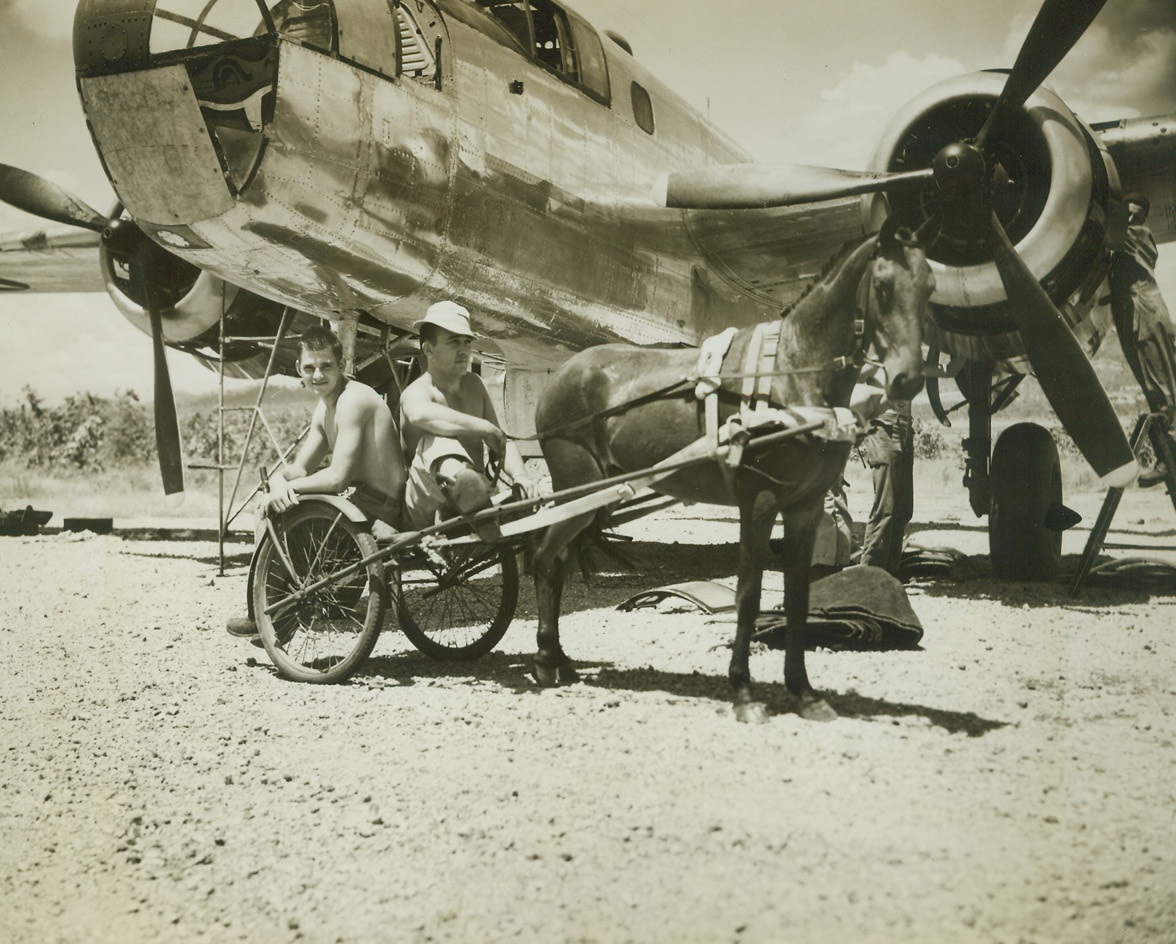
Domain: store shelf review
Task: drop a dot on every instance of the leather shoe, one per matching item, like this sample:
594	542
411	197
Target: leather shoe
242	627
1153	476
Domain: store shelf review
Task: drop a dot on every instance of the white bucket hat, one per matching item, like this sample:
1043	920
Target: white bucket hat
448	315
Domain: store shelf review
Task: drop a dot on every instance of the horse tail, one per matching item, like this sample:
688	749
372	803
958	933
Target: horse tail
592	547
598	544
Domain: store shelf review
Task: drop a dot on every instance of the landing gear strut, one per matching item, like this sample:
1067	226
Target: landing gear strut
1020	488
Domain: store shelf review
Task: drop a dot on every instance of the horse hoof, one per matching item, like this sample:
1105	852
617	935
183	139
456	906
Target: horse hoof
817	710
751	712
553	676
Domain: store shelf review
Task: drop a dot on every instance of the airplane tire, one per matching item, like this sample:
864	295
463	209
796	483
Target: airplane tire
1026	481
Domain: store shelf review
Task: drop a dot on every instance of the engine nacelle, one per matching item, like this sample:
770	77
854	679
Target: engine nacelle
193	301
1055	187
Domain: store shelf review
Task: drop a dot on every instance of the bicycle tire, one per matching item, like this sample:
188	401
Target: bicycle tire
324	637
456	603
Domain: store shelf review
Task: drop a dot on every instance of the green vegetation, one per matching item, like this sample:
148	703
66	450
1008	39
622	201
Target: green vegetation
96	456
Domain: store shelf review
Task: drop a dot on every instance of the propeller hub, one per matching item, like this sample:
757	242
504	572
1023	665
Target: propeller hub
959	169
122	237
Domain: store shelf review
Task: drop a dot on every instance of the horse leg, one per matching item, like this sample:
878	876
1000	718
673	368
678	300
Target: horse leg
757	515
571	463
551	666
800	532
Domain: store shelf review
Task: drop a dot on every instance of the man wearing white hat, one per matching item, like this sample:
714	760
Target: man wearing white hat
448	424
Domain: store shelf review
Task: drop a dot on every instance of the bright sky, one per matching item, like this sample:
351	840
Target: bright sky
792	80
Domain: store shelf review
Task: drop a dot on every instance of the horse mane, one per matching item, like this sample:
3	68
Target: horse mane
835	260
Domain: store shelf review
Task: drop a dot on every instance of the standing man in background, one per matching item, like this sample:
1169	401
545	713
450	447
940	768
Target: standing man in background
1143	323
889	450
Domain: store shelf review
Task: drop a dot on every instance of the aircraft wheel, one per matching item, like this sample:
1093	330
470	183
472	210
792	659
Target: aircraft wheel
1026	482
329	633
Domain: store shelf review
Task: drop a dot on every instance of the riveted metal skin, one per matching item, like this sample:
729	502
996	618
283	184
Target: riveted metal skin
367	190
111	35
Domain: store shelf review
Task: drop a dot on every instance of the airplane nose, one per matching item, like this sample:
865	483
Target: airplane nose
175	131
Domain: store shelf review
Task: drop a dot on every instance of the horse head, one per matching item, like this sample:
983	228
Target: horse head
894	306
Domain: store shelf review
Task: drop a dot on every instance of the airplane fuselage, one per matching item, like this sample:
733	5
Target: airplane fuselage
429	157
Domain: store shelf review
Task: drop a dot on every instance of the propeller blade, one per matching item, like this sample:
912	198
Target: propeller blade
1059	25
167	427
1063	370
40	197
756	186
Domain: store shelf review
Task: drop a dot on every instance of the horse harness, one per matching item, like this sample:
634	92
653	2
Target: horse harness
756	411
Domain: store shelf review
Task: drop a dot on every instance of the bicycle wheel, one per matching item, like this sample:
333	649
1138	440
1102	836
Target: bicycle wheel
456	602
325	635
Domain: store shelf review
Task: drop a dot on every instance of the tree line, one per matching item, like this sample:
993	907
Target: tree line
92	433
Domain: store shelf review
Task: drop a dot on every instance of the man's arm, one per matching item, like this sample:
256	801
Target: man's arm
310	453
424	413
309	456
349	417
512	460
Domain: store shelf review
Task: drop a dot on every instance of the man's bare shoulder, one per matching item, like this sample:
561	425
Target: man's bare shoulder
423	382
359	395
472	383
420	389
477	397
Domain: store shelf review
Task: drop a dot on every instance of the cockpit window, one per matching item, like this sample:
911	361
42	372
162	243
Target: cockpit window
512	16
590	59
553	42
559	41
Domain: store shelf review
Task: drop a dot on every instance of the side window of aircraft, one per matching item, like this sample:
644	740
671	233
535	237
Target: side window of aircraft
512	16
642	108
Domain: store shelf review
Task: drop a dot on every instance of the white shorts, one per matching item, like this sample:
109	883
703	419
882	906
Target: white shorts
423	497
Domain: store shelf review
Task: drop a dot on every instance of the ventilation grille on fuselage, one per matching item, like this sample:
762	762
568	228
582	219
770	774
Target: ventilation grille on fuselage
415	58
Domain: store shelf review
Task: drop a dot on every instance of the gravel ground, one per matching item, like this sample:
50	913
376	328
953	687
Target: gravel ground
1013	780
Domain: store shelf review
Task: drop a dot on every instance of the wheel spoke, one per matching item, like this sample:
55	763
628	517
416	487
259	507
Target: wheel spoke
322	635
461	609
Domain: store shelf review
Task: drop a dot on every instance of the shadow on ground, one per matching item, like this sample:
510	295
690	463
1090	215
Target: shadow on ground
511	671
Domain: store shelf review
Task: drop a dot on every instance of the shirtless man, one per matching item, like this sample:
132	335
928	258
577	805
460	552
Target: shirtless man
353	423
448	424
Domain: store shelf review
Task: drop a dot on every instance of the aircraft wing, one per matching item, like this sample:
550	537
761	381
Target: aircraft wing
1144	151
774	253
50	261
